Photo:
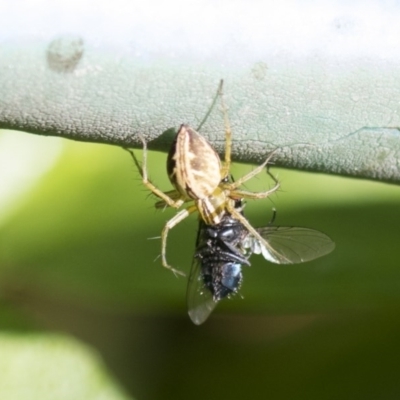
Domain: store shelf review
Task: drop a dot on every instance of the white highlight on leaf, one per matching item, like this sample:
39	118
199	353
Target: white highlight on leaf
24	159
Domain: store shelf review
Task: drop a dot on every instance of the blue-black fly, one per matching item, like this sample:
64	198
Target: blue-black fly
222	250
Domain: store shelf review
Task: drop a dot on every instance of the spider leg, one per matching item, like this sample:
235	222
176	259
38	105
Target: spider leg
174	195
228	137
219	91
232	186
164	234
235	193
168	198
240	194
249	227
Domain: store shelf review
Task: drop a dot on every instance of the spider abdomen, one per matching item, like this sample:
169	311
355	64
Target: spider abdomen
193	166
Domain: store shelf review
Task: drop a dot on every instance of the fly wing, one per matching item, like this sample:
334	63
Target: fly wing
290	245
200	302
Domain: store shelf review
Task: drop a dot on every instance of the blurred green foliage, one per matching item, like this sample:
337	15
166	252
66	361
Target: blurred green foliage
75	257
49	367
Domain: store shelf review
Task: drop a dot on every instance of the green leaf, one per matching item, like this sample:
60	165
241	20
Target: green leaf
48	367
321	88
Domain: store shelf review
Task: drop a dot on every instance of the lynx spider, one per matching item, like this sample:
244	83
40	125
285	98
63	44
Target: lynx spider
195	170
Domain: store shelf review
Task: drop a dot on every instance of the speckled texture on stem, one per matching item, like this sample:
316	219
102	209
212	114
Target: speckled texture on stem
323	88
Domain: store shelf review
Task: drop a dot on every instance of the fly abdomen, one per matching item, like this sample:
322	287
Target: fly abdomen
222	279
